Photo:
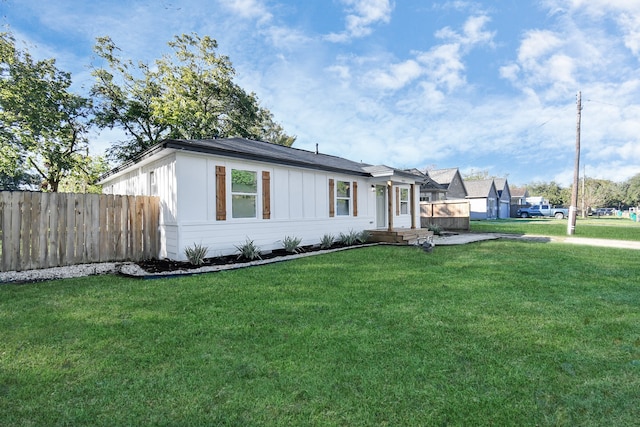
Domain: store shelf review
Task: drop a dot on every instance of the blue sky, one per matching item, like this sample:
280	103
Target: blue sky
478	85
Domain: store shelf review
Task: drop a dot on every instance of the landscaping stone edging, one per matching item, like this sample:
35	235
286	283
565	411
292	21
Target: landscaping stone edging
133	270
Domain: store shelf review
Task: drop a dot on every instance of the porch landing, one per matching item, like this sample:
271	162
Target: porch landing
403	236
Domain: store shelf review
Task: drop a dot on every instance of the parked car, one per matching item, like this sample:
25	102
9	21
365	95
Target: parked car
604	211
543	210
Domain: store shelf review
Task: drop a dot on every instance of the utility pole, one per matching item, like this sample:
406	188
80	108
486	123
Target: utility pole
584	178
571	224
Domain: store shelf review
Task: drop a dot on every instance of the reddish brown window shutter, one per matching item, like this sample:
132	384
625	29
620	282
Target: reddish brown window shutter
397	201
355	198
266	195
332	199
221	194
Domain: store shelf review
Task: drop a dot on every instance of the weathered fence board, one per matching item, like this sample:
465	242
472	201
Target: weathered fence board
41	230
448	214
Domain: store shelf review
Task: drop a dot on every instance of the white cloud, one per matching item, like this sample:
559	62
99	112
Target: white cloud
536	45
510	72
626	15
473	32
286	38
248	9
442	66
396	77
630	23
361	16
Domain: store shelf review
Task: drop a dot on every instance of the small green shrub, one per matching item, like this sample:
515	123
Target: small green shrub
248	250
196	253
350	238
364	236
291	244
327	241
437	230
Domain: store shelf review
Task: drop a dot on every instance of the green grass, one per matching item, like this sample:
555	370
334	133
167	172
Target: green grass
609	228
491	333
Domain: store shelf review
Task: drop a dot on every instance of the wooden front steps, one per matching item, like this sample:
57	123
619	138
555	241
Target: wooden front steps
403	236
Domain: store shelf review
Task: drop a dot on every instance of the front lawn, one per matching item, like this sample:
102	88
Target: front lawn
601	228
490	333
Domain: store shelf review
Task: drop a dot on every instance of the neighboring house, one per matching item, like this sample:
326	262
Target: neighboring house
518	199
504	197
451	180
483	199
519	196
431	191
220	192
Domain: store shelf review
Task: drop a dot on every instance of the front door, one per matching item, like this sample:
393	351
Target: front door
381	206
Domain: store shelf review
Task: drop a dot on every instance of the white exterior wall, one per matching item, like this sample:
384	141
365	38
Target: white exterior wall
299	207
483	208
478	208
299	201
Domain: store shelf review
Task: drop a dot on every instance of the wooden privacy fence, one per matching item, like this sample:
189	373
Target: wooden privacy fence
41	230
448	214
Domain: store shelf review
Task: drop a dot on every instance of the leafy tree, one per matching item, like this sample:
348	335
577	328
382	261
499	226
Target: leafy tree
199	98
632	191
43	124
124	100
598	193
476	175
19	180
84	175
189	94
554	193
269	130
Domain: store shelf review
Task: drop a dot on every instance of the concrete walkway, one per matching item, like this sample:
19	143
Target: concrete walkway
464	238
605	243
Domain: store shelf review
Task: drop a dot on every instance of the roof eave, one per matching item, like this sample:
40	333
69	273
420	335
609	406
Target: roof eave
199	148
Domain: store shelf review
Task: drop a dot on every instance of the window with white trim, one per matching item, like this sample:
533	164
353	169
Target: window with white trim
244	193
343	198
404	201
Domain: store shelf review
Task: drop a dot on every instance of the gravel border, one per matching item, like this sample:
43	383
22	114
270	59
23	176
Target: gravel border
132	269
67	272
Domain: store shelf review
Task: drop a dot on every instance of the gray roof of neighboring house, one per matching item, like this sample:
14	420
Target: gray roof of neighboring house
518	191
263	151
426	182
443	176
479	188
430	184
501	184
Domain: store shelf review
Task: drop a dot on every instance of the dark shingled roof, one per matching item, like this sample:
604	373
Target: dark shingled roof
256	150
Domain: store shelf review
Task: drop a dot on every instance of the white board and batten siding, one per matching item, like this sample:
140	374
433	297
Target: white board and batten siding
299	207
298	198
154	179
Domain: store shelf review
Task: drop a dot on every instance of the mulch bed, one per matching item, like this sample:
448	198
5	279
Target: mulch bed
167	265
